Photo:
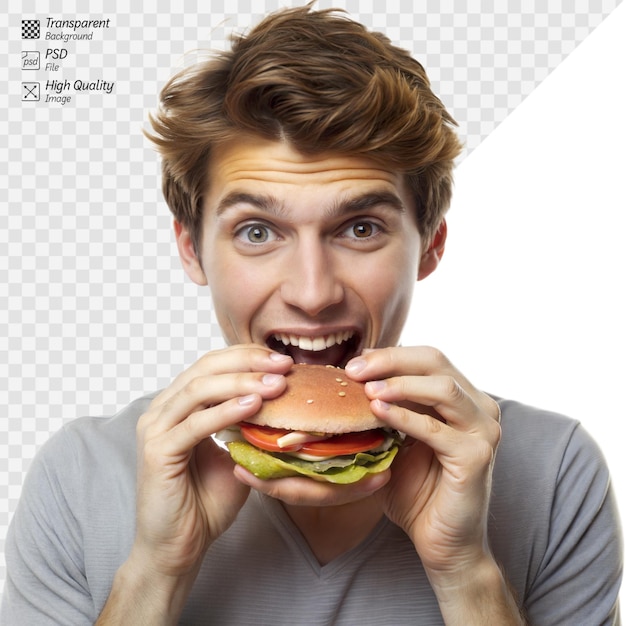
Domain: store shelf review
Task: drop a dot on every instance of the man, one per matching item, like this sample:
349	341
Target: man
309	171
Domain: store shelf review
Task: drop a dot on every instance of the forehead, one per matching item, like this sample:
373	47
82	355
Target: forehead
255	164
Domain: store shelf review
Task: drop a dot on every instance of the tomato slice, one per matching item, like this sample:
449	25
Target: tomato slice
266	438
348	443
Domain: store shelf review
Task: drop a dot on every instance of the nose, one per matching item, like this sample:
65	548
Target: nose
311	281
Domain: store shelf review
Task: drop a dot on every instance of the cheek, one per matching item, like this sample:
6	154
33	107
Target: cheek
238	290
393	294
387	290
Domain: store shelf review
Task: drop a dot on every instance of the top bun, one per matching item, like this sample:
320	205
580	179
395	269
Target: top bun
319	398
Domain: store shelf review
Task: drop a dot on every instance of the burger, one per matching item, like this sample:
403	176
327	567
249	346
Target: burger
321	427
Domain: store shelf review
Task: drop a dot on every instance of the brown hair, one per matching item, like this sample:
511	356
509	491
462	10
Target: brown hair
324	83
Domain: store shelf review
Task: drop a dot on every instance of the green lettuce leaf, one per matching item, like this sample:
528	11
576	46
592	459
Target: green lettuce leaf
267	466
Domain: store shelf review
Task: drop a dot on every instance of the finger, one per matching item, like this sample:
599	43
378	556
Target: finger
395	361
418	361
475	446
239	358
441	393
203	392
307	492
201	425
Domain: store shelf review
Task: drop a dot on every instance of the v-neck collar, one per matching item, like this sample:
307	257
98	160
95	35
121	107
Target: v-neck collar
288	529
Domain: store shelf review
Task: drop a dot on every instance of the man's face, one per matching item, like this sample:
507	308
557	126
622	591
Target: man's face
314	256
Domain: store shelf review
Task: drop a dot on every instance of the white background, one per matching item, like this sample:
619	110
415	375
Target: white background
530	304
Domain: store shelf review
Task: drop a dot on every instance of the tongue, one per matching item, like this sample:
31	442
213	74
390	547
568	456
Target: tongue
335	355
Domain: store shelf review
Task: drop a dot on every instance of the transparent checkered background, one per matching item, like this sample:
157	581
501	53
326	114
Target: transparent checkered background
94	307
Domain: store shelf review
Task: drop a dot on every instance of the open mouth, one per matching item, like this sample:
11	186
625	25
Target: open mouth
331	349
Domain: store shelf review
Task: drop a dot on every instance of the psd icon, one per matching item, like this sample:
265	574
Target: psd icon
30	29
30	60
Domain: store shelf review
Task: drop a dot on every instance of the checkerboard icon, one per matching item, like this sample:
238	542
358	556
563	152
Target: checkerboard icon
30	29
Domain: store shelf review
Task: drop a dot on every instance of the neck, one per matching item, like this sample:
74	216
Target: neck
334	530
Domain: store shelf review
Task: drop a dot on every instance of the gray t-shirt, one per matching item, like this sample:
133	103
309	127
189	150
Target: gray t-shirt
553	528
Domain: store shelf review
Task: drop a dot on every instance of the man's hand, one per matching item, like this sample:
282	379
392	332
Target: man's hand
441	480
187	495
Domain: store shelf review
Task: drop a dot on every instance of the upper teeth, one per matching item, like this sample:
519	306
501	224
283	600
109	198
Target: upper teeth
314	343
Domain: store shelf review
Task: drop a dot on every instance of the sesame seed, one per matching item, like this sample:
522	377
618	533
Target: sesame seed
344	384
309	401
342	394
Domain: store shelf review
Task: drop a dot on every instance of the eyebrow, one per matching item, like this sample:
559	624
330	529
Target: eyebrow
270	204
365	202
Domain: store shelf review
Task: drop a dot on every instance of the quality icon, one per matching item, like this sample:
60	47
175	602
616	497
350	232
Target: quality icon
30	92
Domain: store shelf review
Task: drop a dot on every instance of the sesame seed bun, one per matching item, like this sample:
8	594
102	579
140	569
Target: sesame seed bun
319	398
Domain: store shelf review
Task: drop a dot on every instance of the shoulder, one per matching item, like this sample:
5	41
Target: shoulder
535	423
541	453
85	453
542	445
97	436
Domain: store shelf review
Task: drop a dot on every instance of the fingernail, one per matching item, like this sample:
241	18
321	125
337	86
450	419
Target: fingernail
355	366
279	358
384	406
247	400
271	379
375	386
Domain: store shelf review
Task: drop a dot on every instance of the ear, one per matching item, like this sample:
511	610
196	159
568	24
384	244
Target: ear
432	255
188	256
